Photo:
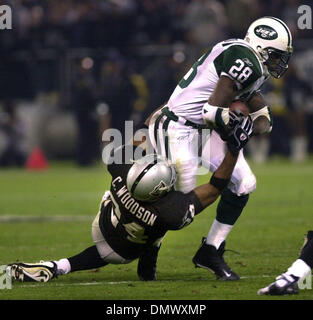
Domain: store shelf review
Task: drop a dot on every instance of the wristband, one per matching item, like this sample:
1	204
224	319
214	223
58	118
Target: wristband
265	112
215	115
219	183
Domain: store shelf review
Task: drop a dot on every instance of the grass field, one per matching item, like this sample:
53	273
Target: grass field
48	215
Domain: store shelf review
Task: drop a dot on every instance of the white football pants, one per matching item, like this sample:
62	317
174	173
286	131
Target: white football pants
188	148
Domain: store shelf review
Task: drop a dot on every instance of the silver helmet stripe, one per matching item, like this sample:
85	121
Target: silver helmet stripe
141	175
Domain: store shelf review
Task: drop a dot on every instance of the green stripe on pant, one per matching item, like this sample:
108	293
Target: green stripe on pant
165	127
156	127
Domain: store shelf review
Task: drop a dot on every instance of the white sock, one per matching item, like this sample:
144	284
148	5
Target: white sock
299	269
218	233
299	148
63	266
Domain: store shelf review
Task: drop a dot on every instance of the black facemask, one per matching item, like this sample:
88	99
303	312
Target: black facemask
277	62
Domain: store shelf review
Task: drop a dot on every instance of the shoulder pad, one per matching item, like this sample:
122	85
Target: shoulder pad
240	64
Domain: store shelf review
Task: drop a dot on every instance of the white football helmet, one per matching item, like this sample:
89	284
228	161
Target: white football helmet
271	39
150	178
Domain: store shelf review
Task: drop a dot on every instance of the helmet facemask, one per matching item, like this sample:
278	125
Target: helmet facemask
276	61
271	39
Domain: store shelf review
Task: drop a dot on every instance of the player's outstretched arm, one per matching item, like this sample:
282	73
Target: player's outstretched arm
208	193
236	140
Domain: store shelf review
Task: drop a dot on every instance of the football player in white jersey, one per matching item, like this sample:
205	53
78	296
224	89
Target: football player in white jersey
232	70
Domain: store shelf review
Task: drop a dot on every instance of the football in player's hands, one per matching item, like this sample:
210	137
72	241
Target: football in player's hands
237	111
239	107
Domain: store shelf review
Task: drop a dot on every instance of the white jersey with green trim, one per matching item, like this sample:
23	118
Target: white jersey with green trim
233	58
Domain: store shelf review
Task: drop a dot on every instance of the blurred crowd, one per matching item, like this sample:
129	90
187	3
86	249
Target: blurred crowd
108	61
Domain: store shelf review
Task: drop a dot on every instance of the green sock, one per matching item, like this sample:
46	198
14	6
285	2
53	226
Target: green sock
230	207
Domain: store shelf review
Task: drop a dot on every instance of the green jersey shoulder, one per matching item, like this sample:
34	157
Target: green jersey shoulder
240	63
232	58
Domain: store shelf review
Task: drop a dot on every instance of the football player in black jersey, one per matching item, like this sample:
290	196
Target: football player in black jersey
139	209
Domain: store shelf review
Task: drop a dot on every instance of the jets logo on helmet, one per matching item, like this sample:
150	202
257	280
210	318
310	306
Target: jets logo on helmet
265	32
271	40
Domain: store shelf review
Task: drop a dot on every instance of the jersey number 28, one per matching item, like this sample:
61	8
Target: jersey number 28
239	72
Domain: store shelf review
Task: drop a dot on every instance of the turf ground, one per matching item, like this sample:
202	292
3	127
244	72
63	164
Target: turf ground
48	215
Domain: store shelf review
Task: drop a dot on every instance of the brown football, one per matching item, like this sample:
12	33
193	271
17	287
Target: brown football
239	105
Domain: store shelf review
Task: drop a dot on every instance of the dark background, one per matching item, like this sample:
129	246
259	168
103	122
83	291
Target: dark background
71	69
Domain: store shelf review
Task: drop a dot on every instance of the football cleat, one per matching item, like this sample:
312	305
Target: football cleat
284	284
42	271
146	268
208	257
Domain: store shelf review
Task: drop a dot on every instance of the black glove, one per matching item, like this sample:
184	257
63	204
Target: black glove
240	135
234	119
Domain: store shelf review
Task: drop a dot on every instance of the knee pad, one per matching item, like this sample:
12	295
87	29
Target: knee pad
187	176
248	184
244	186
186	183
